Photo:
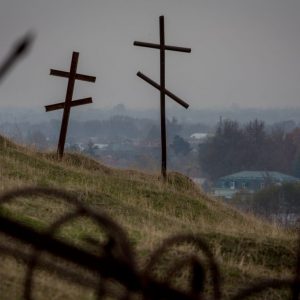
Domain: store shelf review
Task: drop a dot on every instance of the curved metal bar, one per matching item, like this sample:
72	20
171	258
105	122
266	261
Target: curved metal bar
117	259
196	241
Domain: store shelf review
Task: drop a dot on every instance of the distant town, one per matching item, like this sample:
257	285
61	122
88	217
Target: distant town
225	152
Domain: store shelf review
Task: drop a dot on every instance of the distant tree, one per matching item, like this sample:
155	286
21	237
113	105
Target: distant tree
173	128
282	199
285	126
122	126
119	109
255	150
296	166
234	148
282	150
220	155
90	150
294	137
37	138
18	135
74	148
154	133
180	146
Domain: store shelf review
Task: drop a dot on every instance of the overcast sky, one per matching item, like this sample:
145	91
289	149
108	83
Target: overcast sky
244	52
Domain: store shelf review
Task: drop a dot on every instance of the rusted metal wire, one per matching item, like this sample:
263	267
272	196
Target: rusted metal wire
115	261
200	245
20	48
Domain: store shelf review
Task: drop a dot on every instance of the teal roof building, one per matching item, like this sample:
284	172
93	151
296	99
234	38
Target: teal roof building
249	181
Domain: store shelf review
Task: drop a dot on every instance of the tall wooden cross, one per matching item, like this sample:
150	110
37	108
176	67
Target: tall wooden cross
66	106
163	91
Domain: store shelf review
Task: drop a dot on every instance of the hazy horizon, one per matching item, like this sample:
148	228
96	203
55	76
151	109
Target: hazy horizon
244	53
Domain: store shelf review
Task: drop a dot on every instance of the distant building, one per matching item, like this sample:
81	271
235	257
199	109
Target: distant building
100	146
249	181
198	137
78	147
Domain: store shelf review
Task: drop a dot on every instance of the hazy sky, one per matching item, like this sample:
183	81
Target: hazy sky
243	51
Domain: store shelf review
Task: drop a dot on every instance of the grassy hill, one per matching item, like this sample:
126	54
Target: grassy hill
149	210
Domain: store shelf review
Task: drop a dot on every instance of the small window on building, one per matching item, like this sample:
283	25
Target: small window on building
232	185
262	185
243	185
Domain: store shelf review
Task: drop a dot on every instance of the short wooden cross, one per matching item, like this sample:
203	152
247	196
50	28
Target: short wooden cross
163	91
66	106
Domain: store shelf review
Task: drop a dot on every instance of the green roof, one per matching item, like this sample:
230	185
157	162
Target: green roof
259	175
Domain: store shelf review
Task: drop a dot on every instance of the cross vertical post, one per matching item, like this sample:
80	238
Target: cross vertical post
66	106
162	87
163	98
66	114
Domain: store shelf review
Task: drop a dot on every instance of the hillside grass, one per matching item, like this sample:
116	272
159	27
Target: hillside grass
148	209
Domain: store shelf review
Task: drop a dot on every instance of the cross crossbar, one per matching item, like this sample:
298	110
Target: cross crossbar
77	76
168	93
62	105
166	47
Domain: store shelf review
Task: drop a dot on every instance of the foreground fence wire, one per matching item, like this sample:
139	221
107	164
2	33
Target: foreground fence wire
115	261
20	48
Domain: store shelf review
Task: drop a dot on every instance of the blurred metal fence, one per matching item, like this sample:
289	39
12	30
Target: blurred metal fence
116	261
20	48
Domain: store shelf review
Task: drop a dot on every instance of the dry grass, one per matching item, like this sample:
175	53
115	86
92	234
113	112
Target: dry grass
148	209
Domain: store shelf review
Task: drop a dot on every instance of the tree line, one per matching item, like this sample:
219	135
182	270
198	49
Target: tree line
235	147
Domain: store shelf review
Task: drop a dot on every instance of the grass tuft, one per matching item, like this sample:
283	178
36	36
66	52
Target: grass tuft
149	209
